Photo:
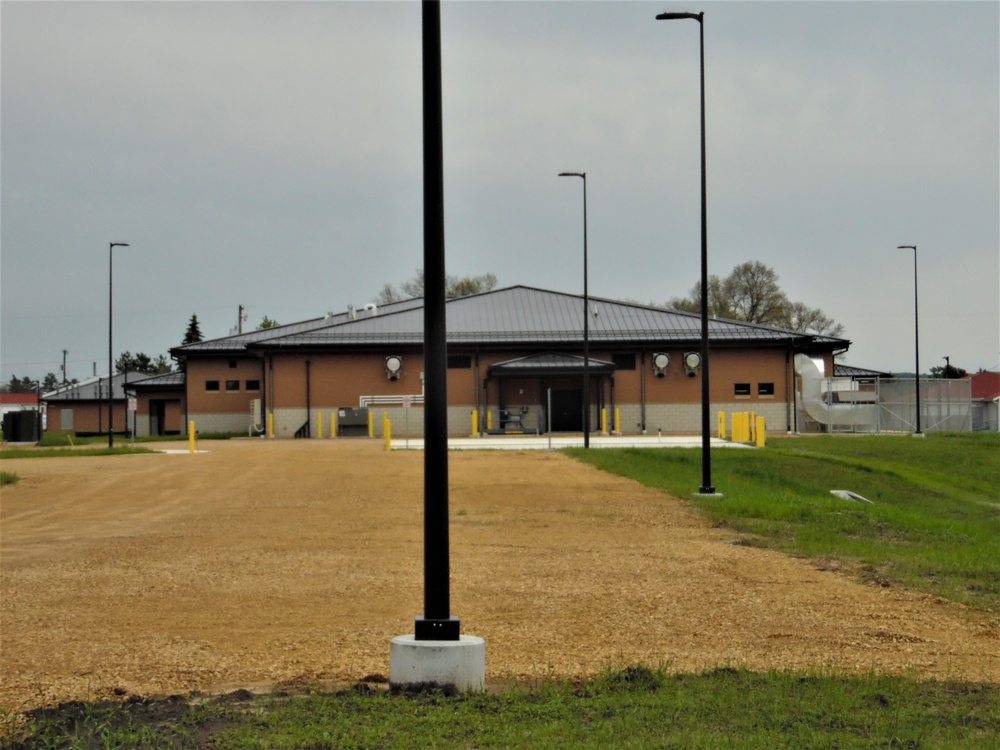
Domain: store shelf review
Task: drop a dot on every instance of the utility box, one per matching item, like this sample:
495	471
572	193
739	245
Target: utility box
21	426
352	422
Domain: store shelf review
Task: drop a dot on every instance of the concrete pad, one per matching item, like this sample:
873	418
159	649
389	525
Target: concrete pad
543	442
459	664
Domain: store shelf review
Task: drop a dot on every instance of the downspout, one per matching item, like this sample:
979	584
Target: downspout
270	366
611	416
789	389
263	395
795	400
475	381
642	391
308	401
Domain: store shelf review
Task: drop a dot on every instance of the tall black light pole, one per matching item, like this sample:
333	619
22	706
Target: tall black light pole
437	624
706	435
916	330
111	365
586	316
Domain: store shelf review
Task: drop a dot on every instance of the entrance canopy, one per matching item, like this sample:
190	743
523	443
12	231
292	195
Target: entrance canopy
547	365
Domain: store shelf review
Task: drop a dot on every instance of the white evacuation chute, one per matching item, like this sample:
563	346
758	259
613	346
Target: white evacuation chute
826	406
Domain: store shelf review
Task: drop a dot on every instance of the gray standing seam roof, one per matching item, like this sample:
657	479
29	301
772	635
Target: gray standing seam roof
525	315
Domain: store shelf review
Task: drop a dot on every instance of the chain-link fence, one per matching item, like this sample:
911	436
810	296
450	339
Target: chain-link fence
884	405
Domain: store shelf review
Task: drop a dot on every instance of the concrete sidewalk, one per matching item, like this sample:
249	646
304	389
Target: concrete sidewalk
545	442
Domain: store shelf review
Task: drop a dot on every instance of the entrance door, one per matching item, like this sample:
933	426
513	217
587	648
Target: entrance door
157	417
567	411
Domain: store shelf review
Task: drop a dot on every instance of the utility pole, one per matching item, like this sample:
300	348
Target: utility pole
65	352
239	323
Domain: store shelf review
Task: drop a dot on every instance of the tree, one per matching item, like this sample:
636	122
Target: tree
751	293
20	385
267	323
141	362
455	286
193	333
948	372
50	383
161	365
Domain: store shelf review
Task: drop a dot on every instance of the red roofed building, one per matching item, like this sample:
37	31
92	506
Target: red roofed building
985	401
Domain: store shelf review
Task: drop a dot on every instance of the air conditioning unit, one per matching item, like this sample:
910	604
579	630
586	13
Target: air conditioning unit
692	362
393	367
661	361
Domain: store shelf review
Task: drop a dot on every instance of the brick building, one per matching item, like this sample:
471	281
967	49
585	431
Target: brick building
509	351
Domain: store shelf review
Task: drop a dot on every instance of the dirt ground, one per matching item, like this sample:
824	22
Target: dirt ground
263	562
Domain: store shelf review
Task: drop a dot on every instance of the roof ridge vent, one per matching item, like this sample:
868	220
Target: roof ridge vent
373	308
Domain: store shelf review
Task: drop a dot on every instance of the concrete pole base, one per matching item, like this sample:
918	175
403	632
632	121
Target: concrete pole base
460	665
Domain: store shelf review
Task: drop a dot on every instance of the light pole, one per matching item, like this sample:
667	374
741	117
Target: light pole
586	316
706	436
111	365
916	331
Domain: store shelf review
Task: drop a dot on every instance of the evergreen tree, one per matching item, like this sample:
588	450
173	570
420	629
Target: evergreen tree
193	333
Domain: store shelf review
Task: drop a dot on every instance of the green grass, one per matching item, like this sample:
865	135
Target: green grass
8	477
632	708
124	450
56	438
933	525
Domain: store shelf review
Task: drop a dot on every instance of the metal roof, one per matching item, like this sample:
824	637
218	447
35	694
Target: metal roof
239	342
95	389
165	380
848	371
526	315
549	363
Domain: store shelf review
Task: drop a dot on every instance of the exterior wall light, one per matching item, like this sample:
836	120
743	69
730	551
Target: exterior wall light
661	361
692	361
393	367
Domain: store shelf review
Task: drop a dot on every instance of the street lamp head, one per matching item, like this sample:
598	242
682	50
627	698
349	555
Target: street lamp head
573	174
119	244
677	16
907	247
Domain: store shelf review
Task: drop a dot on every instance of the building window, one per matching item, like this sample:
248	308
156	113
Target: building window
765	389
212	386
253	385
232	364
232	385
741	390
624	361
459	362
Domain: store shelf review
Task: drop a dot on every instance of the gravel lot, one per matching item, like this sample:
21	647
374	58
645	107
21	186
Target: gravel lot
280	562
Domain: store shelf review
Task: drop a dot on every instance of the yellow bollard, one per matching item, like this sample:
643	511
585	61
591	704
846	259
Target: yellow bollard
604	421
489	420
319	424
618	420
387	427
371	424
753	425
333	424
270	425
722	425
191	438
475	422
761	432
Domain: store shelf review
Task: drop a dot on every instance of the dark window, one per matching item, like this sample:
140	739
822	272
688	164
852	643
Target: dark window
212	385
232	385
765	389
232	364
624	361
253	385
742	389
459	362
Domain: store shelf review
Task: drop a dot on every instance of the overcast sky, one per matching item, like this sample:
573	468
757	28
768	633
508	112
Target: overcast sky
268	154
